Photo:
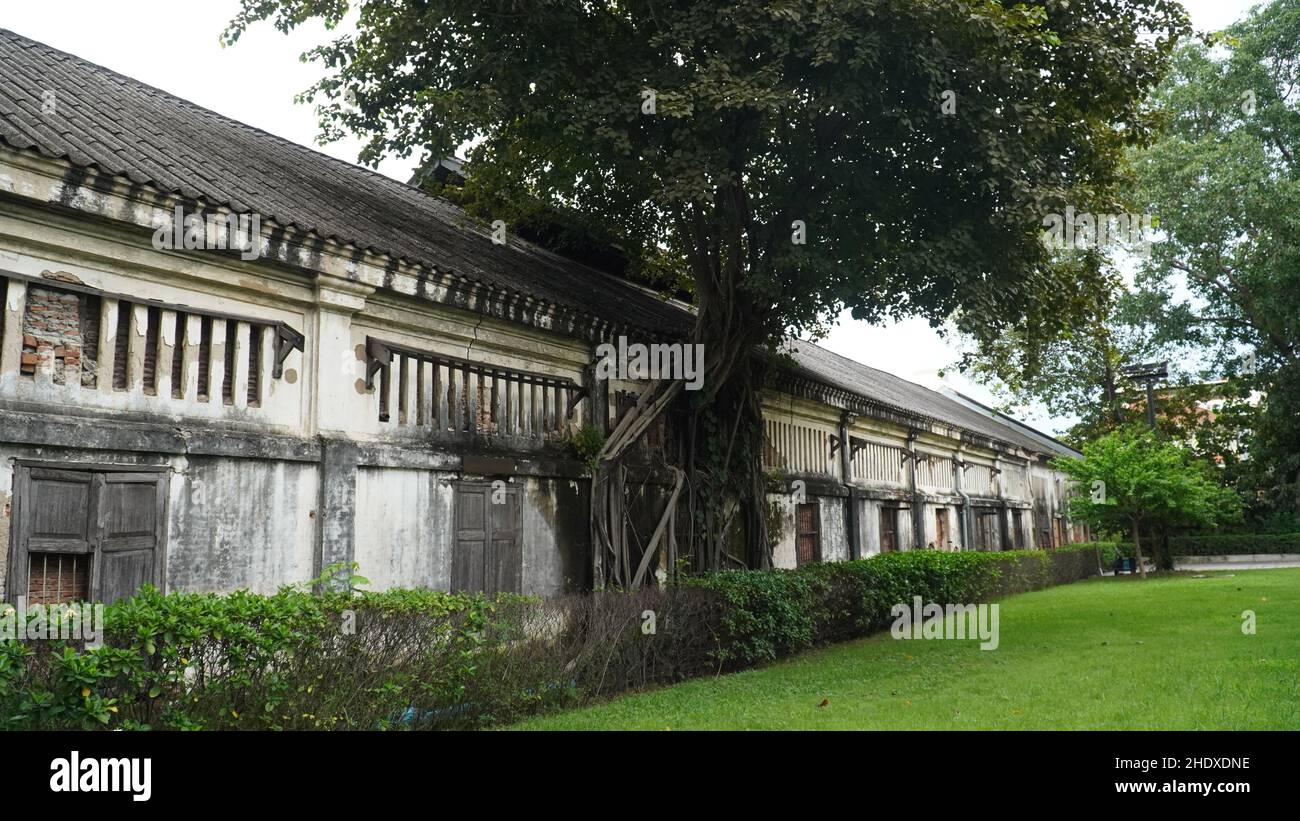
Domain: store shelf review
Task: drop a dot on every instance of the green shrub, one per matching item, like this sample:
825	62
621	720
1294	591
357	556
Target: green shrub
1226	544
346	659
1234	544
773	613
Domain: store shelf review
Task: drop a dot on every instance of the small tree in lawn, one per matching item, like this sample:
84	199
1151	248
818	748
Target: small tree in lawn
1131	479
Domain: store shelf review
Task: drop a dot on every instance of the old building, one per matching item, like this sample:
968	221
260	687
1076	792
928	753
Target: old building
229	361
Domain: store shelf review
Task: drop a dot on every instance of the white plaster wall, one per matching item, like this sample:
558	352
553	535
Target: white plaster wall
783	554
543	565
241	523
834	527
868	526
404	528
257	298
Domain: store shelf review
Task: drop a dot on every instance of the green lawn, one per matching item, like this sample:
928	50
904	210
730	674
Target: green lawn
1168	653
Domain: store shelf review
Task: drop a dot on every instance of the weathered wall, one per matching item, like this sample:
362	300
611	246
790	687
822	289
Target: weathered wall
834	525
405	531
404	527
241	523
63	327
557	536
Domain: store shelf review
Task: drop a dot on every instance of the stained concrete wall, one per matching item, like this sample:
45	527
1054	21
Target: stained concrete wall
231	522
241	523
405	532
404	527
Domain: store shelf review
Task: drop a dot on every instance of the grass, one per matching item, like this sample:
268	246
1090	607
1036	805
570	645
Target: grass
1107	654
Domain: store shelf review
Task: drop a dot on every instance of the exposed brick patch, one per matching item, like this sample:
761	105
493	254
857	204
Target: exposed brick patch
62	327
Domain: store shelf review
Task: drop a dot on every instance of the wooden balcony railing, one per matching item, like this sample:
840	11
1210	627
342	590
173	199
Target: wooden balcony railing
421	390
56	333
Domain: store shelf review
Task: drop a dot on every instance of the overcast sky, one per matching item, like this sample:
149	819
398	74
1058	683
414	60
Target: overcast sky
174	46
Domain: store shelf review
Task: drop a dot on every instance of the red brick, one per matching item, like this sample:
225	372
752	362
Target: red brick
29	341
30	359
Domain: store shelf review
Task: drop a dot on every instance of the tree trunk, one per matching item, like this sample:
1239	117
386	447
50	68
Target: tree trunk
1137	550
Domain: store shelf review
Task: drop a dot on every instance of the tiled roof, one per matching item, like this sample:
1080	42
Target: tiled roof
906	397
120	126
123	127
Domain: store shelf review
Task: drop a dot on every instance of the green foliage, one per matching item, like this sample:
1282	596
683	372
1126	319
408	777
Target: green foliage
291	660
1104	654
588	442
828	113
415	658
769	614
1229	544
1131	478
1219	295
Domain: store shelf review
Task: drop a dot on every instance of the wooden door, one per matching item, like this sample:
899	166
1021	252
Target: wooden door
808	544
888	529
488	554
130	525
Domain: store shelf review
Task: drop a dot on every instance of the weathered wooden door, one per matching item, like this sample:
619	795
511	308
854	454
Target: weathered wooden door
888	529
988	534
130	527
488	554
941	536
808	540
86	535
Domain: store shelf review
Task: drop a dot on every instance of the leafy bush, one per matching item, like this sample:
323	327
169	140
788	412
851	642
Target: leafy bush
773	613
1226	544
346	659
1234	544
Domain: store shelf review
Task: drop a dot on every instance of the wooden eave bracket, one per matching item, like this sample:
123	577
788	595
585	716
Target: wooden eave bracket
378	356
286	340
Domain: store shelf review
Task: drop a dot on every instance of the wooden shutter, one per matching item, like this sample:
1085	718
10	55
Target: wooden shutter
54	515
488	555
131	509
808	525
505	559
89	534
57	507
471	538
888	529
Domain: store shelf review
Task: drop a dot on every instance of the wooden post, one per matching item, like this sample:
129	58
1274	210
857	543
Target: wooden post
11	343
217	363
137	337
162	373
108	309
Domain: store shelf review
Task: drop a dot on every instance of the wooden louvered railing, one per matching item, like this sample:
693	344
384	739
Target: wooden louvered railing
59	333
420	390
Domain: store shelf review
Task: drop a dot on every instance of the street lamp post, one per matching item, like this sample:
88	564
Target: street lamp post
1148	373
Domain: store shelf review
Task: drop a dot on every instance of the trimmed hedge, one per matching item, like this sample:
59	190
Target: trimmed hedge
1220	544
423	659
774	613
1234	544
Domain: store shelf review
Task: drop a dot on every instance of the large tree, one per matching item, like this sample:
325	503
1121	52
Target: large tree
1225	180
1219	294
794	157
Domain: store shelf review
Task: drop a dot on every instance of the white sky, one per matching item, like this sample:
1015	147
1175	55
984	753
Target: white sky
174	46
